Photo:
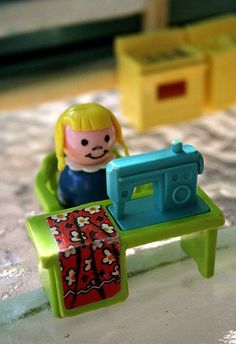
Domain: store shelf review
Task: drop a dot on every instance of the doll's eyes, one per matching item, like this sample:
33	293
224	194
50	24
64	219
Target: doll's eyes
84	142
107	138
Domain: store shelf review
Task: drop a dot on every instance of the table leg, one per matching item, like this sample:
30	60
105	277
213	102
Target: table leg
201	246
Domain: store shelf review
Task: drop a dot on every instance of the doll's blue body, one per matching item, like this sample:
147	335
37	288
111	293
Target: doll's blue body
80	187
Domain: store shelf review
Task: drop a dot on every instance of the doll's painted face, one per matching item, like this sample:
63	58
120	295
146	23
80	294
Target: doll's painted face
89	147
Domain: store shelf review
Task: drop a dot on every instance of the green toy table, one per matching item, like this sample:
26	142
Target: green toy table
198	240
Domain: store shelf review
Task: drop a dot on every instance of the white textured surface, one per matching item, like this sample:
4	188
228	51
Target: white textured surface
26	136
172	304
168	305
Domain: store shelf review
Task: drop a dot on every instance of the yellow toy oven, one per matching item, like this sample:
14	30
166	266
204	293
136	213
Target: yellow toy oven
161	78
216	38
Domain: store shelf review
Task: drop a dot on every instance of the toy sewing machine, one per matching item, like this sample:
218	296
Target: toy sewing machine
81	250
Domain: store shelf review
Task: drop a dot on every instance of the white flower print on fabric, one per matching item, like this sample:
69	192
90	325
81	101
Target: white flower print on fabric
82	221
54	230
109	259
97	244
61	267
93	209
75	236
59	217
88	264
116	271
71	277
69	251
108	229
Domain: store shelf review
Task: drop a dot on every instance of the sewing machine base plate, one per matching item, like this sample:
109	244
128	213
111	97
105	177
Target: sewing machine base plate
142	212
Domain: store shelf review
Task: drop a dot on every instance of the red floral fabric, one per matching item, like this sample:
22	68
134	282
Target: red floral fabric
89	255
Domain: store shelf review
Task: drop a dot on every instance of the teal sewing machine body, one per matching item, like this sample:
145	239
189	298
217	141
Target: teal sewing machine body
172	172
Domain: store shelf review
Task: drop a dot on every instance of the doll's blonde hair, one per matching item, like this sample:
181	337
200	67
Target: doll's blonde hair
84	117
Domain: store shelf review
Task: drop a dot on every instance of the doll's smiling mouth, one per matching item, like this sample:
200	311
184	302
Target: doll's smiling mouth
98	156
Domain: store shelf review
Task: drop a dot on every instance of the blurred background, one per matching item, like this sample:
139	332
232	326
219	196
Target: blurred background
52	49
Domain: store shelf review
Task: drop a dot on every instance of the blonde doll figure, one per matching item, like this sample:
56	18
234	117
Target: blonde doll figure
85	139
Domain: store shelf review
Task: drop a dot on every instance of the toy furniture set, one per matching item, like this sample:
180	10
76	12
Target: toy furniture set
170	75
81	250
